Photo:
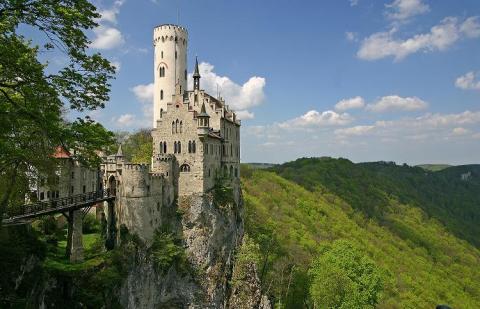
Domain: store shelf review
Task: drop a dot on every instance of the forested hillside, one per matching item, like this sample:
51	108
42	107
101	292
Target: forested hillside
410	234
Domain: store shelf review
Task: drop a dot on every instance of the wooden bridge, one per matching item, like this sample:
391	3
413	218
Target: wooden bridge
74	208
23	214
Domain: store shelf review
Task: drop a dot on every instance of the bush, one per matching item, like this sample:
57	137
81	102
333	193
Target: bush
167	251
91	224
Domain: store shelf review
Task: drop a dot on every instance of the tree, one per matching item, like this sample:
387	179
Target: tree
33	98
343	277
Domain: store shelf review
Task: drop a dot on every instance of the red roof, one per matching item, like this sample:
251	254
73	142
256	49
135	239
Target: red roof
61	153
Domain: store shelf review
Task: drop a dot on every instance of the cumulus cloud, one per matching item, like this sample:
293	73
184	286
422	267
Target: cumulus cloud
401	10
460	131
397	103
110	15
353	2
125	120
384	44
144	93
354	131
352	103
244	114
238	97
315	118
107	38
468	81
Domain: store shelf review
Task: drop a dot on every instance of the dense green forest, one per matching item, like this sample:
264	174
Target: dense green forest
408	233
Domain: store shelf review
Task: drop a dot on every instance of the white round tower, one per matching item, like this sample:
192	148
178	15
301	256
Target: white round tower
170	65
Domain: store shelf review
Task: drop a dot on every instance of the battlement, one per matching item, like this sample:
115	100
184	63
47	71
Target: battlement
164	157
172	33
170	27
136	166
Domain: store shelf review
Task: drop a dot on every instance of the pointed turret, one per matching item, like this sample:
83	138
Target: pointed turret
120	151
196	76
203	121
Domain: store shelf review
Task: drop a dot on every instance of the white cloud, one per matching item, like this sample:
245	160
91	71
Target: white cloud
107	38
383	44
144	93
354	131
351	36
397	103
401	10
352	103
471	27
238	97
126	120
468	82
244	114
314	118
353	2
460	131
110	15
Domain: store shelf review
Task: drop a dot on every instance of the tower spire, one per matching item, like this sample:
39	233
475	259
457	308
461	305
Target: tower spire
196	76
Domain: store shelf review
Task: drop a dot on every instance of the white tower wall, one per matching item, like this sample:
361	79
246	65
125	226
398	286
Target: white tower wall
170	43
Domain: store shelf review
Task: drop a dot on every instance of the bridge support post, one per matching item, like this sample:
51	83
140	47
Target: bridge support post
111	226
75	236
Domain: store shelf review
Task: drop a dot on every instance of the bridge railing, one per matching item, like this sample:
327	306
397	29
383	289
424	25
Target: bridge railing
59	203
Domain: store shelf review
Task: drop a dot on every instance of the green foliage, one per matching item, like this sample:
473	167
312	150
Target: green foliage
222	193
369	188
33	96
427	263
167	251
91	224
248	254
344	277
18	245
137	147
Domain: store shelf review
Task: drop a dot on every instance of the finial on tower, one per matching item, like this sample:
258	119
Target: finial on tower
196	76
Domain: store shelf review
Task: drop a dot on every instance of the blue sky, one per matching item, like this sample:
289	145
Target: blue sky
368	80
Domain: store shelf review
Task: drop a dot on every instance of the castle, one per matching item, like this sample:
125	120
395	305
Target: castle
196	141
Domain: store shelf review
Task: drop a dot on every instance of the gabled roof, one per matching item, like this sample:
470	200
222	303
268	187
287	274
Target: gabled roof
61	153
203	112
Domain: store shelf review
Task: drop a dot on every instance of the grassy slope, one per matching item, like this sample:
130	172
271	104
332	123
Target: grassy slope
427	264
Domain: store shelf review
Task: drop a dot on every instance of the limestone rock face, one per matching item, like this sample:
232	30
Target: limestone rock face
211	232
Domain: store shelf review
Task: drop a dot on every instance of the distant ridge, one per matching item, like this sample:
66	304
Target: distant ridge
434	167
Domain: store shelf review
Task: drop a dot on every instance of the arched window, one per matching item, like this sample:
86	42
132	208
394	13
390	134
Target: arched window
173	127
231	149
181	126
231	171
161	94
179	146
161	112
194	147
189	146
162	72
176	126
164	147
185	168
225	171
236	172
185	74
161	147
175	54
162	51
